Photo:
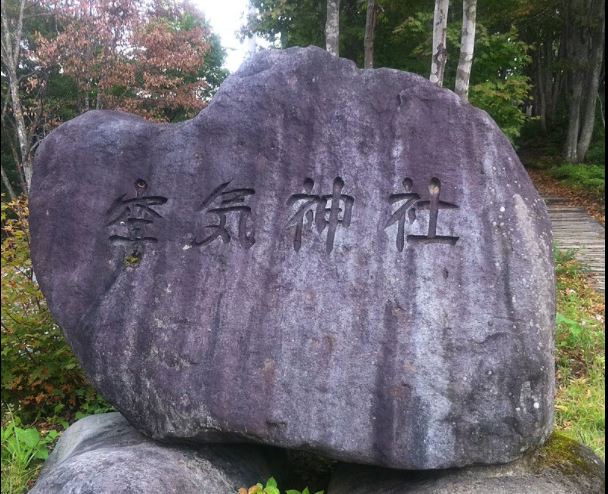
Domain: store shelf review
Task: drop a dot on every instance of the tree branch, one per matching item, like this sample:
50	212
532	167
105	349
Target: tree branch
7	184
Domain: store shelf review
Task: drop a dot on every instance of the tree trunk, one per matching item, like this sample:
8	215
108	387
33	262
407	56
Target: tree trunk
22	136
332	27
15	155
11	45
559	81
7	185
593	82
540	100
549	79
467	46
440	52
577	46
370	29
574	109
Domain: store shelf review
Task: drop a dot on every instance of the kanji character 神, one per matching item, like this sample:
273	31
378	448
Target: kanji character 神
313	209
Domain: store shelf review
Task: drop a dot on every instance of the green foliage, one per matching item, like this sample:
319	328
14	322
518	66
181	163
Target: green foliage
23	450
498	55
40	375
498	81
587	178
288	23
503	100
404	36
580	359
305	491
597	149
271	487
212	71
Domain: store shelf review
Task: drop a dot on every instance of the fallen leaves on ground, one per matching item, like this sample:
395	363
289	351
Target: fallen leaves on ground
548	186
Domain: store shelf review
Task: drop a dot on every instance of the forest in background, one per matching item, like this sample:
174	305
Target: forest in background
158	59
537	66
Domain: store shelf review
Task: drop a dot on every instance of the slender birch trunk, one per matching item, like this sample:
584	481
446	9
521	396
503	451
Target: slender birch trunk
370	30
15	154
7	185
440	53
332	27
11	46
467	46
5	179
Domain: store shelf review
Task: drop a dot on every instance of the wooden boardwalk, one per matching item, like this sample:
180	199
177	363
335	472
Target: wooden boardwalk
574	229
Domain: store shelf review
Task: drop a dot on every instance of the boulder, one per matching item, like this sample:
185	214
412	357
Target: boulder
561	466
349	262
103	454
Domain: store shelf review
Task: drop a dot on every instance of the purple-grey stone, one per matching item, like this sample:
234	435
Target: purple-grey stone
561	466
103	454
346	261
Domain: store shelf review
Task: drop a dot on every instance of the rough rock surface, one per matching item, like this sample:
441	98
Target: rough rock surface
346	261
562	466
103	454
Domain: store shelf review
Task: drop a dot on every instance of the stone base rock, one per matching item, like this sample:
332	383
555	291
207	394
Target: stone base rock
562	466
103	454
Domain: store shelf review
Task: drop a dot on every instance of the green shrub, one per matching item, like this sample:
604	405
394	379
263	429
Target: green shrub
588	178
23	450
504	101
40	375
271	487
597	152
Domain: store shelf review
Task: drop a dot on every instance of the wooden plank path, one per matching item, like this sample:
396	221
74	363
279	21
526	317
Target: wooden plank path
574	229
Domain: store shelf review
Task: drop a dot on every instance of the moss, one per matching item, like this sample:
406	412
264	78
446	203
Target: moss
567	457
132	260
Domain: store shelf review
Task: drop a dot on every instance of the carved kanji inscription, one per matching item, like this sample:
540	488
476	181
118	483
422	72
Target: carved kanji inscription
313	209
221	203
408	203
135	215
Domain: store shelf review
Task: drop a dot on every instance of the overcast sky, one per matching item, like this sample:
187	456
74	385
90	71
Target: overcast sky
226	18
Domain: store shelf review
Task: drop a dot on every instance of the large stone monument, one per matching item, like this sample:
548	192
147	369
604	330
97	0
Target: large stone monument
352	262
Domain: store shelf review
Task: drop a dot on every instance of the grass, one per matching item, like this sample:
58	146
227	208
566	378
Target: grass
580	360
586	178
23	451
17	478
